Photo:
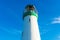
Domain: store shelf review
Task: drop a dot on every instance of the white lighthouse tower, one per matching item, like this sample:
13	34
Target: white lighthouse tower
31	30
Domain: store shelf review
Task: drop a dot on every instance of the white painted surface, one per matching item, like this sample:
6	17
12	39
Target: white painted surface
31	30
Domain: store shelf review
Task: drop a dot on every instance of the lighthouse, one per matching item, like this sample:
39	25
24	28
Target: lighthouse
30	26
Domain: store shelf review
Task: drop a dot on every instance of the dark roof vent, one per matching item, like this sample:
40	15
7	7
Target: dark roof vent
30	7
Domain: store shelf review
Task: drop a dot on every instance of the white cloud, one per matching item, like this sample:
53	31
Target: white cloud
56	20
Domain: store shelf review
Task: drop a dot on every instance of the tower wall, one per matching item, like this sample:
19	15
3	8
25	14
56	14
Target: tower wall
31	30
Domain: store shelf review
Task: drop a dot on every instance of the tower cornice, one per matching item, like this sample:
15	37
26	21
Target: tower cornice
31	13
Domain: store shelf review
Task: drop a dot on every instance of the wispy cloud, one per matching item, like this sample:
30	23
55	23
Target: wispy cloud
11	31
44	31
56	20
57	37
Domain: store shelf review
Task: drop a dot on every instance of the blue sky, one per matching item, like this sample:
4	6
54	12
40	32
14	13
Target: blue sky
11	22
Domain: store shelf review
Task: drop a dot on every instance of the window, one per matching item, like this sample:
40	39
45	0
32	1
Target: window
29	19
